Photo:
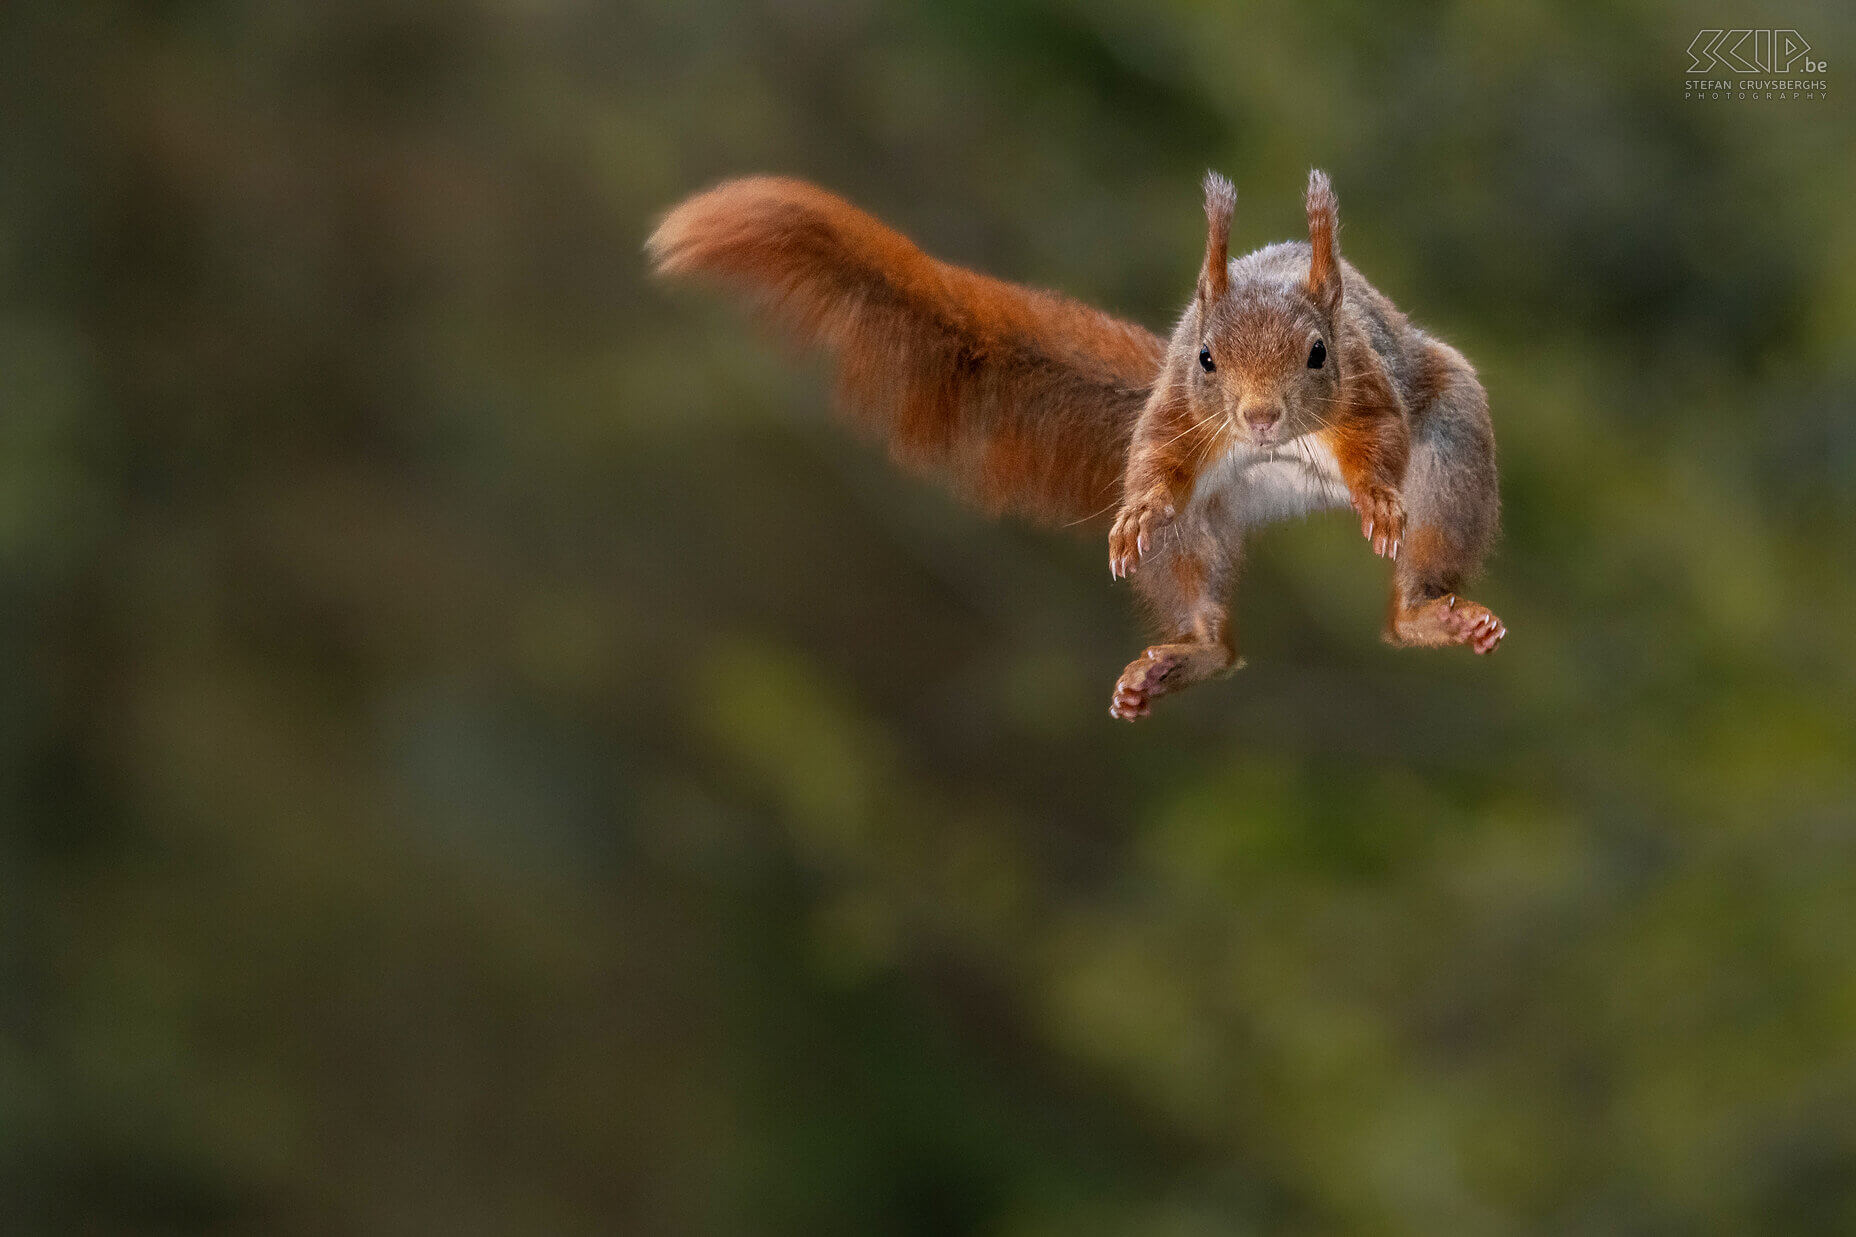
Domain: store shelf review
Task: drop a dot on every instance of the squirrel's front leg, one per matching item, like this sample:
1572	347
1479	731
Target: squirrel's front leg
1170	442
1372	444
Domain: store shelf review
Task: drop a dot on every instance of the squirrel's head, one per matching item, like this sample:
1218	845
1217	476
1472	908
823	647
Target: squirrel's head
1266	358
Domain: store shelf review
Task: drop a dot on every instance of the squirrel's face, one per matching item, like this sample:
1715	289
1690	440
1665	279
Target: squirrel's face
1266	363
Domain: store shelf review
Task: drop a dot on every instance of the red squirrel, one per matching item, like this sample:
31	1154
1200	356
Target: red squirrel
1290	384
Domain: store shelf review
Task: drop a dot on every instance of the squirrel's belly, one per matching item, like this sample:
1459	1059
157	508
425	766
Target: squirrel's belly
1250	487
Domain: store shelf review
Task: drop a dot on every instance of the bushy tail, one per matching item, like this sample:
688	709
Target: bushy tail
1026	399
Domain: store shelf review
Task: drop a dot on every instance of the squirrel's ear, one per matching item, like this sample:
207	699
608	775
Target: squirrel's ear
1323	243
1220	205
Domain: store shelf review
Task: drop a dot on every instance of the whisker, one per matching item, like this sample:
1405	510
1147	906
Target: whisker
1113	503
1200	424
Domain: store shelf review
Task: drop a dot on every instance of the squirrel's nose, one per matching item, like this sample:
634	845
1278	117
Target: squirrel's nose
1261	417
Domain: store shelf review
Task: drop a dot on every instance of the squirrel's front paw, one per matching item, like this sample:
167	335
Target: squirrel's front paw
1136	530
1382	519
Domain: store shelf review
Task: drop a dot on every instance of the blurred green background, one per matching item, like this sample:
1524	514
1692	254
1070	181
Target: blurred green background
483	752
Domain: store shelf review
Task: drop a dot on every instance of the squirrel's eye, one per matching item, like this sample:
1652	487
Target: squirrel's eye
1317	355
1205	359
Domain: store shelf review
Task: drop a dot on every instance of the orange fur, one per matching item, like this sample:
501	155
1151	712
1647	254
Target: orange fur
1027	399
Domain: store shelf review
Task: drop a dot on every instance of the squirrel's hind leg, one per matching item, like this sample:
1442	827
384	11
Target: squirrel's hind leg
1184	586
1437	621
1452	506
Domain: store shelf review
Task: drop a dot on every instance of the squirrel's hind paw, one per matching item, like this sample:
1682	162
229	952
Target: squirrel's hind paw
1449	620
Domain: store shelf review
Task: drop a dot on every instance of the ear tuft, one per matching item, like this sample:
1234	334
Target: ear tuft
1220	206
1324	283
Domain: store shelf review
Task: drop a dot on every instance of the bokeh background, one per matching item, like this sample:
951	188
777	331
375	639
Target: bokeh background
481	751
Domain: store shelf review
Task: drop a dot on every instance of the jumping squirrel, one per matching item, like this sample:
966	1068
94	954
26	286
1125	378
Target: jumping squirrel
1290	384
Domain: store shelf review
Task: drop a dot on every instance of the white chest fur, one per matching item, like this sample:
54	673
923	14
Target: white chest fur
1251	486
